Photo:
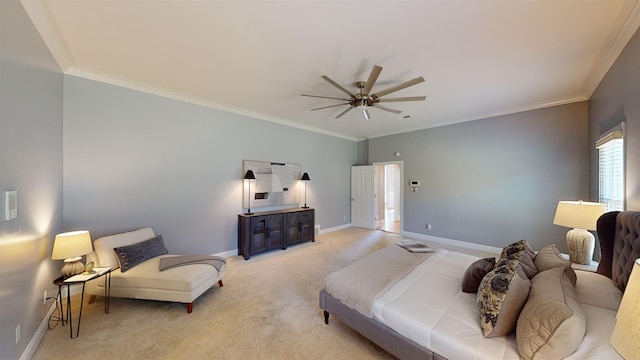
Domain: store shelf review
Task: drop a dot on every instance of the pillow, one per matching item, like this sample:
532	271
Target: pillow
104	246
501	296
132	255
521	251
597	290
552	323
550	257
475	272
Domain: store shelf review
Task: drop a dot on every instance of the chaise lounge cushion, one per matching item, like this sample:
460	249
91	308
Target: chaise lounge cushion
147	276
104	246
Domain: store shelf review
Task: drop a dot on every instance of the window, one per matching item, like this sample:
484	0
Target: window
611	169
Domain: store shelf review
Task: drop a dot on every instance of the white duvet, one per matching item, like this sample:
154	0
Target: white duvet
428	307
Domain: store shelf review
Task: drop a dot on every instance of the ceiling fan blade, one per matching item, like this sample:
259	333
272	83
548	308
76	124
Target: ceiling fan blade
375	72
398	87
408	98
387	109
351	95
324	97
344	112
330	106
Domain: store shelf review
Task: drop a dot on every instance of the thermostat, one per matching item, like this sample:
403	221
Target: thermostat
414	183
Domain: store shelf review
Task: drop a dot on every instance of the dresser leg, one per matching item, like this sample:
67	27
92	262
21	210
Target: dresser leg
220	283
189	307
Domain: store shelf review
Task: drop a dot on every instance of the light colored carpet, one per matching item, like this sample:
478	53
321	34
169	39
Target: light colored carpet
267	309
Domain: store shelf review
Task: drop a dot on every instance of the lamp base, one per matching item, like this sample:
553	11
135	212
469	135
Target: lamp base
72	266
581	244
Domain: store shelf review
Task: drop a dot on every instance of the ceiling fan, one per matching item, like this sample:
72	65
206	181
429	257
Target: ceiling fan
362	100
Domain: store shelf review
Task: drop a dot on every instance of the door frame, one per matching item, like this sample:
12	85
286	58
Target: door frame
400	163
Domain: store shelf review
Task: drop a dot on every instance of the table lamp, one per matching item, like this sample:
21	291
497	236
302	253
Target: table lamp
249	176
625	338
581	216
305	177
70	247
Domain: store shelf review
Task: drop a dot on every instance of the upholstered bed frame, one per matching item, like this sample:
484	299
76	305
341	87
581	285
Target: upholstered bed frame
619	237
618	234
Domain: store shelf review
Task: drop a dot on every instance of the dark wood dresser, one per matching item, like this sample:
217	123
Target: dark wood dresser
269	230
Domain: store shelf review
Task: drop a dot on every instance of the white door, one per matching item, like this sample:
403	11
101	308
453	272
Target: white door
363	197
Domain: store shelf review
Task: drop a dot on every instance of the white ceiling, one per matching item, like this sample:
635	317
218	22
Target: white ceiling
479	58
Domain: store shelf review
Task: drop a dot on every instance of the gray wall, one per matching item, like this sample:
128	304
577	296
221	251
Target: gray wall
617	99
496	180
133	159
363	152
31	163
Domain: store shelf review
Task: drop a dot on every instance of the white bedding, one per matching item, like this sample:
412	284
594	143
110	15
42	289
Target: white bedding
428	307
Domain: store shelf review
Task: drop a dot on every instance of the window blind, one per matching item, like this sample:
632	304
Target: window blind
611	170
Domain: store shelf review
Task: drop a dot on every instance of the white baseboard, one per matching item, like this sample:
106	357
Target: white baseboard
228	253
462	244
335	228
37	337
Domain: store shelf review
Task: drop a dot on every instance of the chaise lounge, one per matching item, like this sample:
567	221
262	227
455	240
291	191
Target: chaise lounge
142	278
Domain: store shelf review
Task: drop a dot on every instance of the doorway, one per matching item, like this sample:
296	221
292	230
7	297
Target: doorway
390	203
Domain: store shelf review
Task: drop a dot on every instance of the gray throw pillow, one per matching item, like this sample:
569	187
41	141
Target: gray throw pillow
132	255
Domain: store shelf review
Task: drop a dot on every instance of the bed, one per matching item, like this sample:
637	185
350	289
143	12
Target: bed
414	308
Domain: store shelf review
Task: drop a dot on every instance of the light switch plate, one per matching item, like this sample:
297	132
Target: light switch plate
10	205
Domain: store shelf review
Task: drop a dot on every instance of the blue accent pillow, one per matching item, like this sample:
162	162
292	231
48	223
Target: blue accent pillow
132	255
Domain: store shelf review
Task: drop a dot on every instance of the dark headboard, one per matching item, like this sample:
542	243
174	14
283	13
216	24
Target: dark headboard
619	237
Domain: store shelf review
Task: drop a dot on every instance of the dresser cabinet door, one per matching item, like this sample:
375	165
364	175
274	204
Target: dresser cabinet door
275	238
300	226
258	234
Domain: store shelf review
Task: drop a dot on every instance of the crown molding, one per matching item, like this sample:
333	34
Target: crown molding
49	32
628	26
113	80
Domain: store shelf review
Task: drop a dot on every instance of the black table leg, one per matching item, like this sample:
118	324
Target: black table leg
81	304
69	311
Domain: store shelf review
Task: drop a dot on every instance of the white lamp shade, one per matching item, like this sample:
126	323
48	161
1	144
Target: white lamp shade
625	338
578	214
71	244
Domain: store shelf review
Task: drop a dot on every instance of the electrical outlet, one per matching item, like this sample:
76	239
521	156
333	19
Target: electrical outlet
44	298
17	333
428	226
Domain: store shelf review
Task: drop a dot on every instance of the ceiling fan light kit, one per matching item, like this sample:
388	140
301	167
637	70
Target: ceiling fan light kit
362	100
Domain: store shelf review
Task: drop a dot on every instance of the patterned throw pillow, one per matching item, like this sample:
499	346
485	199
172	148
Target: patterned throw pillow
501	296
132	255
521	251
475	273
